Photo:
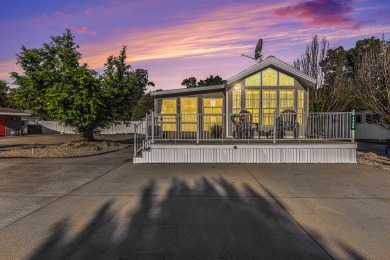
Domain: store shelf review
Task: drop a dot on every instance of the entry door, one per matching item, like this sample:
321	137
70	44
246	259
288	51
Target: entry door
2	125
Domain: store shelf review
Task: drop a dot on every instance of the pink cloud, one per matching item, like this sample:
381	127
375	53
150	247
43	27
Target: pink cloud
82	29
192	38
209	43
93	32
322	13
59	12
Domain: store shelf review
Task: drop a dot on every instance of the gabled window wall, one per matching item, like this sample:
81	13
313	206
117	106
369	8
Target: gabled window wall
267	92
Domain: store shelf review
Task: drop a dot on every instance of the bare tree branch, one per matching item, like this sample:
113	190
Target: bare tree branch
332	91
372	79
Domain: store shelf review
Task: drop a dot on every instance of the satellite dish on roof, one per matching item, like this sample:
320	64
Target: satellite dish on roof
258	49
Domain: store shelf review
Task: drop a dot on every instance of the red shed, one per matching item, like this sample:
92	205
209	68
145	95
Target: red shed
11	121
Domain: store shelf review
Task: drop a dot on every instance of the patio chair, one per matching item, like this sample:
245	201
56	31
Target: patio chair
289	123
246	129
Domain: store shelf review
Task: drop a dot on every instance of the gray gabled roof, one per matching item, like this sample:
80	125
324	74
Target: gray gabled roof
188	90
271	61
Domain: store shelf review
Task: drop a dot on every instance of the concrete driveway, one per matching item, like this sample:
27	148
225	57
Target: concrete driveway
105	207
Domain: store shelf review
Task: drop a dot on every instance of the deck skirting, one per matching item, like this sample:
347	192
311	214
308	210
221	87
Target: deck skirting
255	153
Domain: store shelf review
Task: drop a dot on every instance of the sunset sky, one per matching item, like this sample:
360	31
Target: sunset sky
177	39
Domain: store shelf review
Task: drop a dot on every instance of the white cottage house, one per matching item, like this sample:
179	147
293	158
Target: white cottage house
260	115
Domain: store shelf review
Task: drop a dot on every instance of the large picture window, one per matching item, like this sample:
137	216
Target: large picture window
236	101
189	111
286	99
252	101
212	109
269	106
168	114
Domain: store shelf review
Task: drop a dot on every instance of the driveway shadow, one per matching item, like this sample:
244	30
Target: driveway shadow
209	220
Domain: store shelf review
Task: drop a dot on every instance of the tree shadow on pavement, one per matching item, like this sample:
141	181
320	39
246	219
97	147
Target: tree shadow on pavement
208	220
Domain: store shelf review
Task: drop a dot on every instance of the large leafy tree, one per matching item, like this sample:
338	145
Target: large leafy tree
209	81
117	83
355	55
56	86
336	90
3	93
123	86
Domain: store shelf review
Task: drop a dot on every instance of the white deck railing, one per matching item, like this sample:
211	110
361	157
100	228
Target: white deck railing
142	137
273	127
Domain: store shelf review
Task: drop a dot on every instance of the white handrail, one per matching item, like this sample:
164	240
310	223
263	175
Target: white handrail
273	127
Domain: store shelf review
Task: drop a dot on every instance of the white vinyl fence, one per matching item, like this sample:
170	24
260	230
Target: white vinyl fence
372	132
52	127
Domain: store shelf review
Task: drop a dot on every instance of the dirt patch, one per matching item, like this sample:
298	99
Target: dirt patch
68	149
373	159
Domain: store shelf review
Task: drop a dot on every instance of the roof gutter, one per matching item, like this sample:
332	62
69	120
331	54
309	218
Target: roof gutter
188	90
13	114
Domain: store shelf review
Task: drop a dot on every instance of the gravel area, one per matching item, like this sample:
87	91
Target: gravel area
81	148
373	159
68	149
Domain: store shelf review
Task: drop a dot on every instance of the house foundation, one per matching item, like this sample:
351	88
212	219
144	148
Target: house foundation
249	153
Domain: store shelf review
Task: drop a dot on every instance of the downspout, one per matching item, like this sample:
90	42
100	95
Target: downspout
226	112
308	100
